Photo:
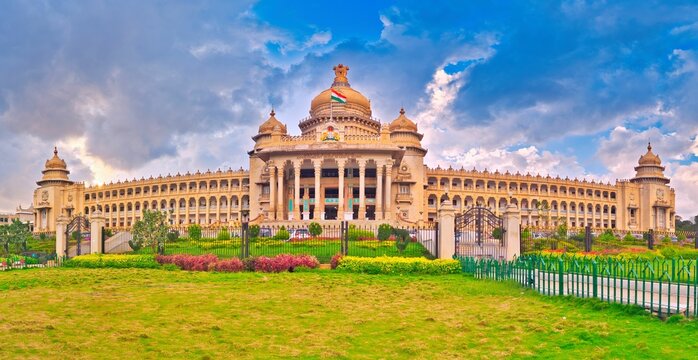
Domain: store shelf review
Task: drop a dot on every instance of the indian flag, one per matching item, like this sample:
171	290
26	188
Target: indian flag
336	96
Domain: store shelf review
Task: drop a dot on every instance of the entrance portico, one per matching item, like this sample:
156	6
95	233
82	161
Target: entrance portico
329	187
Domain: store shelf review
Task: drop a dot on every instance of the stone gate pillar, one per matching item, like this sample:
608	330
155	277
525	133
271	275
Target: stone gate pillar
97	222
61	241
447	230
512	231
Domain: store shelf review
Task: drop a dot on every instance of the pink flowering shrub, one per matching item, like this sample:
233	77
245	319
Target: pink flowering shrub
188	262
230	265
285	262
334	262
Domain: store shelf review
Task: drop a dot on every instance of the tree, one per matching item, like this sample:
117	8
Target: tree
151	231
14	236
194	232
384	231
561	232
254	231
314	229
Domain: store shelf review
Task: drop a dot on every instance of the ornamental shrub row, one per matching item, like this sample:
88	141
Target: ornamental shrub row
112	261
210	262
397	265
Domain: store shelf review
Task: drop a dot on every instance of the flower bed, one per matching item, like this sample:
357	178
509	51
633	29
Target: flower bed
396	265
112	261
661	251
210	262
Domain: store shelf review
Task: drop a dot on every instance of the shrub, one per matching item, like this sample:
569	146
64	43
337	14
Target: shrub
194	232
526	233
336	259
629	238
285	262
254	231
314	229
223	234
282	234
666	240
402	239
384	232
355	234
112	261
229	265
398	265
172	236
188	262
249	263
135	244
497	233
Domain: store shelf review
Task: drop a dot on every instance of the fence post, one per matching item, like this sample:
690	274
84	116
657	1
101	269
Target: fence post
447	231
436	239
61	245
345	238
695	233
561	284
245	248
97	222
595	273
512	232
650	240
587	238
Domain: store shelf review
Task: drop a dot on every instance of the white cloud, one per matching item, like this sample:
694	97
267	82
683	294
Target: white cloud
684	28
210	48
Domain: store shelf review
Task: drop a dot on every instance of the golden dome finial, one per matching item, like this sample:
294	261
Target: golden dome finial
55	151
649	146
402	111
272	113
340	75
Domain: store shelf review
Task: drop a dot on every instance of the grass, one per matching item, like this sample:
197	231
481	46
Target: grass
138	313
322	249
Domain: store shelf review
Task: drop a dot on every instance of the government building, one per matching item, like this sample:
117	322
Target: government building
345	164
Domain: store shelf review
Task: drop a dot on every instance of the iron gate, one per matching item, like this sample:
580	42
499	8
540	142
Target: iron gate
77	234
480	233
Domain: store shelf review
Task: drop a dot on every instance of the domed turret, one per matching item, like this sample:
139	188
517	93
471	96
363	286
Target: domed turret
650	168
268	126
402	123
55	171
650	158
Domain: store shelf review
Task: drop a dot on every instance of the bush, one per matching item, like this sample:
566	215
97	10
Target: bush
402	239
135	245
188	262
355	234
230	265
384	232
254	231
223	234
249	263
498	233
112	261
282	234
285	262
194	232
629	238
336	259
172	236
398	265
314	229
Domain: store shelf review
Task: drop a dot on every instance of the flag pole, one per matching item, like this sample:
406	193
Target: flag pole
331	104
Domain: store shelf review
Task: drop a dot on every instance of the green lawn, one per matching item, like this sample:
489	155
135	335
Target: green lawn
129	314
322	249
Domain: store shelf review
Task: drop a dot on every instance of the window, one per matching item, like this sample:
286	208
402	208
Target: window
404	189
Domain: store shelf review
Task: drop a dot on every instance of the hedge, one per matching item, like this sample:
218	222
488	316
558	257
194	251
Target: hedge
398	265
112	261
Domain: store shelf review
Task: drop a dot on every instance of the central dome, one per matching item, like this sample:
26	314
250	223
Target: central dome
355	103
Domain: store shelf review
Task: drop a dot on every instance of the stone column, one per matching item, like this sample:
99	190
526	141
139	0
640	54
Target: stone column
96	225
317	164
341	163
362	189
280	195
379	192
61	240
512	232
447	231
296	190
272	192
388	186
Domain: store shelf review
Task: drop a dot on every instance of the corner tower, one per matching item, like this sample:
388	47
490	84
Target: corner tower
653	201
56	195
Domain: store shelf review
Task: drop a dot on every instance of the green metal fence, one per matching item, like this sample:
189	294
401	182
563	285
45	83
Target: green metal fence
662	286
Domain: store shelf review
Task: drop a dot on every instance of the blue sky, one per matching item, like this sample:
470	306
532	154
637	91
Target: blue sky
128	89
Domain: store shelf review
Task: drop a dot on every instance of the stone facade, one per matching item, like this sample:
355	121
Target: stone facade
347	165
